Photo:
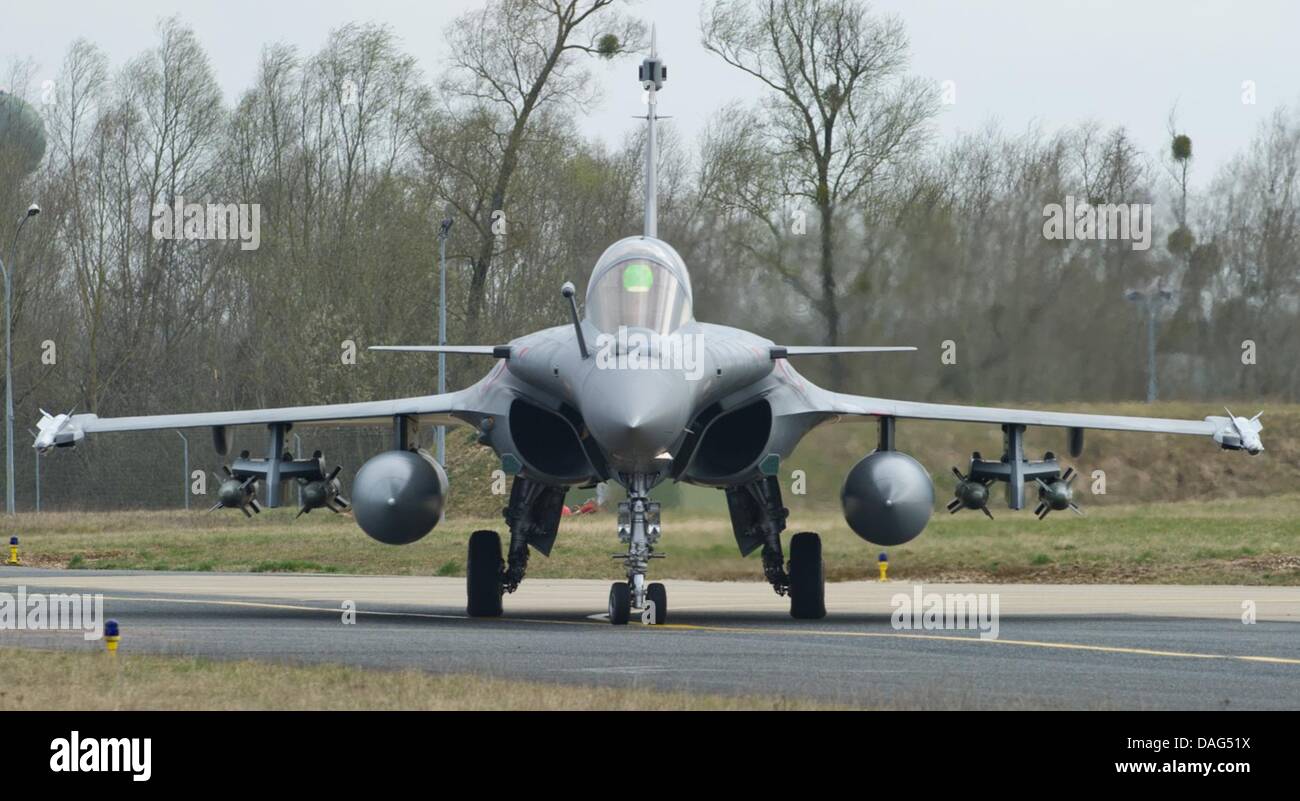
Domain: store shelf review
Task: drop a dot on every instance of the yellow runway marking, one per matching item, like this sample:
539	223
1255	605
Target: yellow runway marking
688	627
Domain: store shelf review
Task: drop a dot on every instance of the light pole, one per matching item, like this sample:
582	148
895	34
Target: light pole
297	454
1150	301
444	230
32	211
185	456
38	475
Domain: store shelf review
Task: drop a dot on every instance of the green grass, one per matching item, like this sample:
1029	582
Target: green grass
1233	540
92	680
292	566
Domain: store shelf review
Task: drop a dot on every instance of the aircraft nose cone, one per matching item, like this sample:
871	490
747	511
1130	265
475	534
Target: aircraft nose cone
635	416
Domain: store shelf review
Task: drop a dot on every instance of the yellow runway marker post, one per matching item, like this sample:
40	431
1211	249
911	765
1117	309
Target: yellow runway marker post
13	551
112	634
884	566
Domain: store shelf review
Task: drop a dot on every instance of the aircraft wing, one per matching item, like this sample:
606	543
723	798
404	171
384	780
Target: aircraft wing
495	351
1230	432
435	409
786	351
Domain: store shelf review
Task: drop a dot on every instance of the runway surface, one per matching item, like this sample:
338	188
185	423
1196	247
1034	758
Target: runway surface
1057	646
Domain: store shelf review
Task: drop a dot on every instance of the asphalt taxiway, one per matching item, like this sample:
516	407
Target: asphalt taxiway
1122	646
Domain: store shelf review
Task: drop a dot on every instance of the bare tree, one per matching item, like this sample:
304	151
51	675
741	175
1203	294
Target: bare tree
842	110
513	58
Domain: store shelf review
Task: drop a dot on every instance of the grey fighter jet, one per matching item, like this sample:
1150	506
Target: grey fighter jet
638	392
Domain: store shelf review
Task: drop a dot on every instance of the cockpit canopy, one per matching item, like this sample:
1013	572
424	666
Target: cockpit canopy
639	282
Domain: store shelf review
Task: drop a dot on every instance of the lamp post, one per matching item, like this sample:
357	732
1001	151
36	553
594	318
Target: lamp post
185	456
32	211
297	454
38	474
1150	300
444	230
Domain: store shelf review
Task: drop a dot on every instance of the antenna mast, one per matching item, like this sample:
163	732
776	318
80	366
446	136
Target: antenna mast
653	73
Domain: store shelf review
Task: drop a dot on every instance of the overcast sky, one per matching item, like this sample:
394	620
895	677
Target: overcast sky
1018	62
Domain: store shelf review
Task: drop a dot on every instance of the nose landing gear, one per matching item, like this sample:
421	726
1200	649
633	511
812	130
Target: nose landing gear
638	527
654	611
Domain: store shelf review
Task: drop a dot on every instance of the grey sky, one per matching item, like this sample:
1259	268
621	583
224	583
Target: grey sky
1016	61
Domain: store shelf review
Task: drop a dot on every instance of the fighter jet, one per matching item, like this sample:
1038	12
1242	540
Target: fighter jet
638	392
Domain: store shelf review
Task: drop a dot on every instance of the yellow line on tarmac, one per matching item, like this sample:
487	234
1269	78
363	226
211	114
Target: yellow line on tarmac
686	627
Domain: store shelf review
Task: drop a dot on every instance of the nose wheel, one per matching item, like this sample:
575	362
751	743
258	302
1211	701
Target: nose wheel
654	611
656	605
638	527
620	603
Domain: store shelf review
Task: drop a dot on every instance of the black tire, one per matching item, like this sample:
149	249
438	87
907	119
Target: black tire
807	577
620	603
658	595
483	575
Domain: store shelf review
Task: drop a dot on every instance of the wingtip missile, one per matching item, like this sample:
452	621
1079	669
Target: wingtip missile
57	431
1239	433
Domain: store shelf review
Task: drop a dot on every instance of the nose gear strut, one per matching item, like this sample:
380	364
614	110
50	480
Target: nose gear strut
638	528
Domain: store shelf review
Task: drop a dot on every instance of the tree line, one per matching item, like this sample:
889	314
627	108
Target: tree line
828	212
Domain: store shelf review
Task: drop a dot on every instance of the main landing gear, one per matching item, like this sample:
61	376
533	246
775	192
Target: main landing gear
807	575
638	527
757	519
484	573
533	516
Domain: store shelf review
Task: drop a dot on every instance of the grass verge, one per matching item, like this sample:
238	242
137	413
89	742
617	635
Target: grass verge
1229	541
60	680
